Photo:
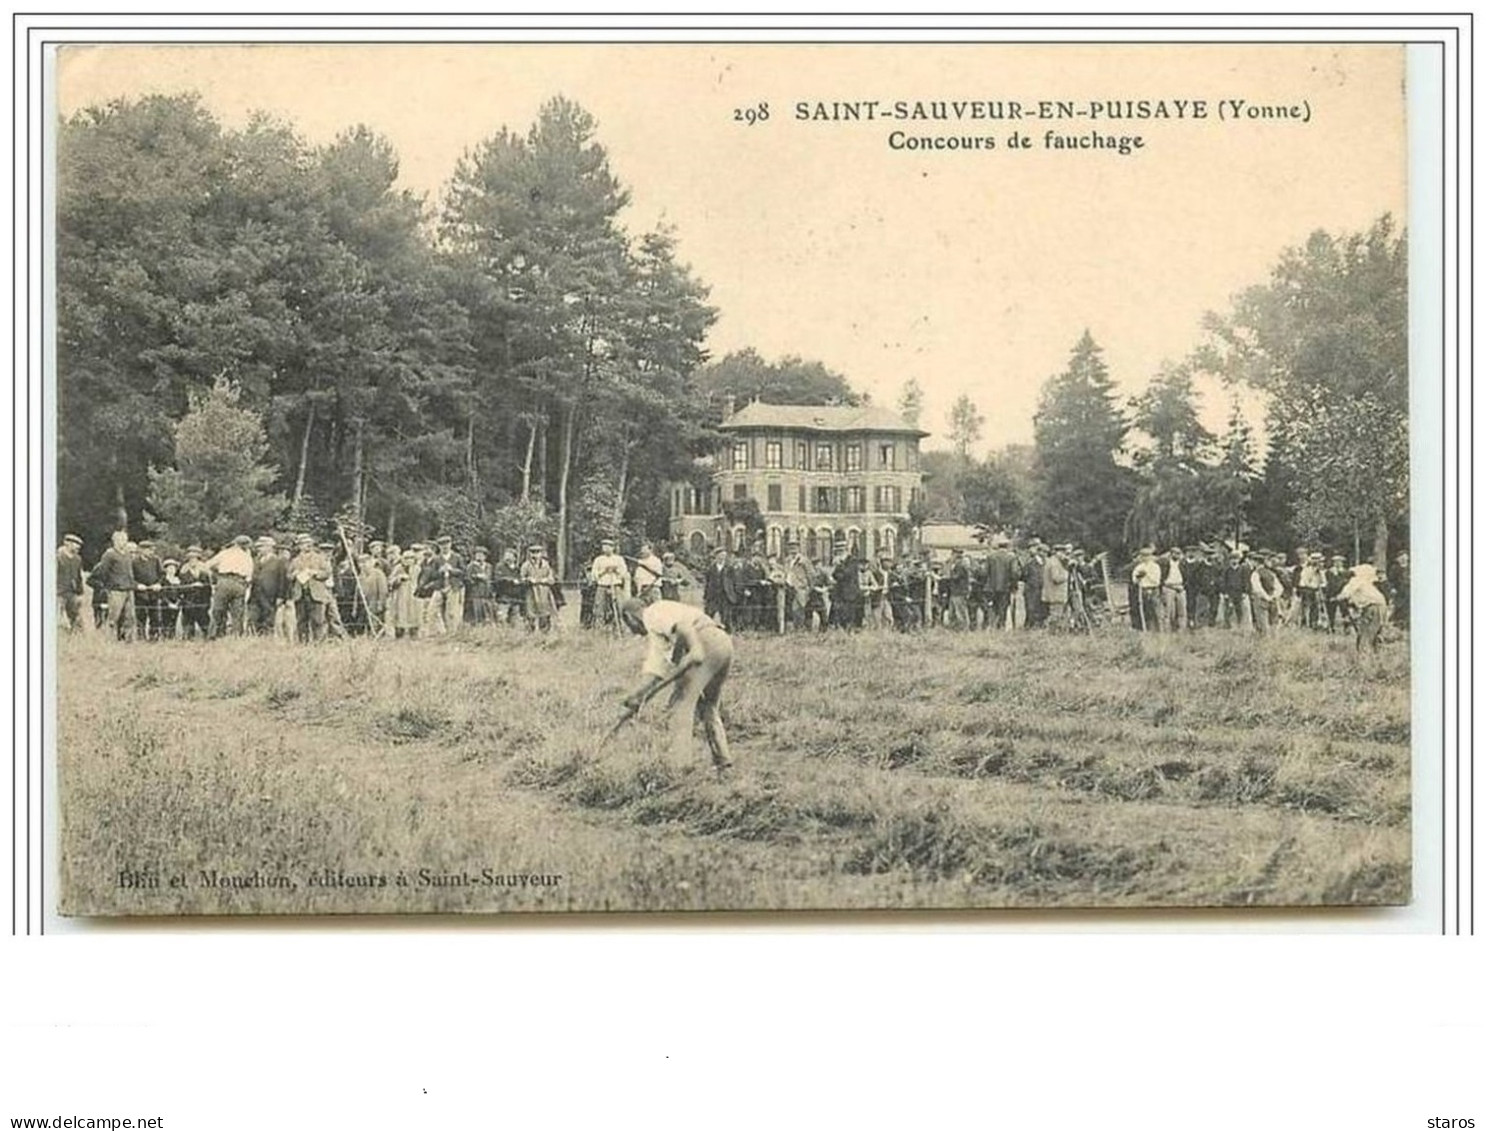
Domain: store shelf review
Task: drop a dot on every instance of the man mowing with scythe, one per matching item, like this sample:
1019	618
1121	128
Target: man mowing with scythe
702	654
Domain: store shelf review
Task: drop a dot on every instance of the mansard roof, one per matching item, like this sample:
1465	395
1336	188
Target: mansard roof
820	418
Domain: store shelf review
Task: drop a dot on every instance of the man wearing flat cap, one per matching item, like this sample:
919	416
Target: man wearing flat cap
611	579
342	591
70	581
310	572
1145	577
1266	591
1237	573
1032	569
453	567
477	585
673	577
1055	577
1310	584
717	586
434	581
1080	578
115	573
147	588
1000	571
505	582
1199	580
270	587
1173	590
232	568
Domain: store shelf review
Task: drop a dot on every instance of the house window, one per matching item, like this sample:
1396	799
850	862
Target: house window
740	456
803	493
773	455
853	457
776	497
887	455
856	500
823	500
823	457
802	456
740	492
888	500
912	457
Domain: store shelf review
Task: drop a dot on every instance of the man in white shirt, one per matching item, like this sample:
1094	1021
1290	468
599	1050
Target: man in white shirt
611	582
1266	592
702	654
232	568
648	572
1173	591
1363	594
1147	578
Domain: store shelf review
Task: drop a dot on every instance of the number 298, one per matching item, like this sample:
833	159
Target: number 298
751	115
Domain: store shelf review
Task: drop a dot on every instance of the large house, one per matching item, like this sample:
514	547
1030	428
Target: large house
822	474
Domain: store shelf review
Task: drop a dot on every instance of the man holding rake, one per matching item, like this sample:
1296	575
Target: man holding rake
687	651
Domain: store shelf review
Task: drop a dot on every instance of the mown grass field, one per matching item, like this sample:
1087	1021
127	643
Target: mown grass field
874	770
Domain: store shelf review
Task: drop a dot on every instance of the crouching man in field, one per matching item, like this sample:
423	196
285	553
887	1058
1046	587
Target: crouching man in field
1363	595
686	648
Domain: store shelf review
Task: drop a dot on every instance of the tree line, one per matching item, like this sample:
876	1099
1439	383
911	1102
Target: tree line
1324	341
513	363
256	331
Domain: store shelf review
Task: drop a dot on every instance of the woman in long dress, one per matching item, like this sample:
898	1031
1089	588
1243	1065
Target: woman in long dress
537	580
402	606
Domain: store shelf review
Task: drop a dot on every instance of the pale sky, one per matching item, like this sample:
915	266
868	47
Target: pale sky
973	271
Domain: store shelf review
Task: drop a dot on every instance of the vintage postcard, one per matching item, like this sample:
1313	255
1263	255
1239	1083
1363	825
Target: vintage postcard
652	477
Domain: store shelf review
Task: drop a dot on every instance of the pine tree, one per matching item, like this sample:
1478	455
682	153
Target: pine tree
1233	477
658	420
221	483
1081	493
1167	413
536	216
1173	501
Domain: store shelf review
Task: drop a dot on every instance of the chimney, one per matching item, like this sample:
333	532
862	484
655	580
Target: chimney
729	406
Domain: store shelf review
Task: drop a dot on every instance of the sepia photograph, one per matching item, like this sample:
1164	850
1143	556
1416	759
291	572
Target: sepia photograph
654	477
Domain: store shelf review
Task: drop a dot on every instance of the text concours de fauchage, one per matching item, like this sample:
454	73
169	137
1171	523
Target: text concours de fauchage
1088	126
